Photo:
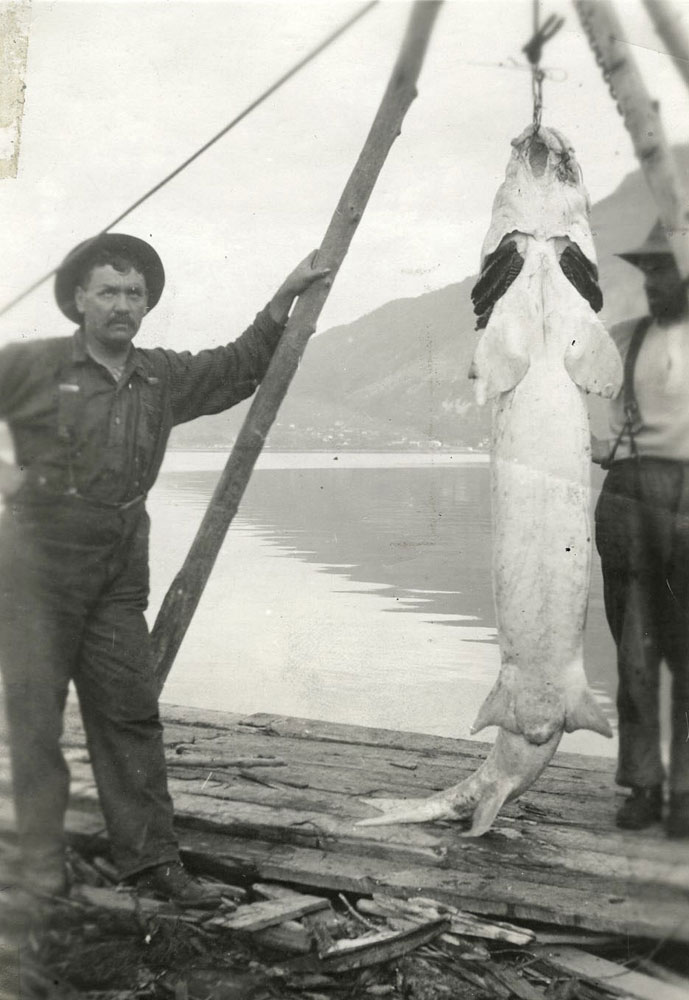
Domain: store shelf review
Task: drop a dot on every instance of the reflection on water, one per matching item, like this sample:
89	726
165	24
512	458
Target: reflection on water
334	591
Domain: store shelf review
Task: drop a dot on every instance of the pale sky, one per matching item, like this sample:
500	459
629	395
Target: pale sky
119	93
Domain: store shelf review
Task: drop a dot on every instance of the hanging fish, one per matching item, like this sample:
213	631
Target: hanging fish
542	350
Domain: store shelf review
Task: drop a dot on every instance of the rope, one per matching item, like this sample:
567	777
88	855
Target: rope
534	50
327	41
537	72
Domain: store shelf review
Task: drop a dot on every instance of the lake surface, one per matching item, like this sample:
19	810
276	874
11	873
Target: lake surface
351	588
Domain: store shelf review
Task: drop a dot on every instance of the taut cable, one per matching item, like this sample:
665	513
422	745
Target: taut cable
211	142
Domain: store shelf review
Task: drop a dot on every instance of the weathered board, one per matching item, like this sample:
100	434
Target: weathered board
554	856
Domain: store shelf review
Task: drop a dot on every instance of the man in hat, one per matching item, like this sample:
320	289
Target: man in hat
90	416
642	534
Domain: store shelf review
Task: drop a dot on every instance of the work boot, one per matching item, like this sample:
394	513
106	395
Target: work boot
172	881
642	808
677	824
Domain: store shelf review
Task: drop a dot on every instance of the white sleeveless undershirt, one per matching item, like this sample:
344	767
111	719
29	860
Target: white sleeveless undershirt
661	384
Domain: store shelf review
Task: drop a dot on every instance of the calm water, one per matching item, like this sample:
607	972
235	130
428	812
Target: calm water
352	588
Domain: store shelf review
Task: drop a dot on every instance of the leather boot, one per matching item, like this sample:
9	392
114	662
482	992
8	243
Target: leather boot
642	808
172	881
677	824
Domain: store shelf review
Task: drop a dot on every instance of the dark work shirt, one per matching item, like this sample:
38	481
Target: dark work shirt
75	429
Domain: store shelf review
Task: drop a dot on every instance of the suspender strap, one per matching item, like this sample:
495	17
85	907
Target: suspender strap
631	406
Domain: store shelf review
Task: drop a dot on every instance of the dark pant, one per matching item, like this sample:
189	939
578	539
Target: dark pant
73	591
642	534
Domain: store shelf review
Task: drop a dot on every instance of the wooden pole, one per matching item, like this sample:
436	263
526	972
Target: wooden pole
183	596
642	118
668	23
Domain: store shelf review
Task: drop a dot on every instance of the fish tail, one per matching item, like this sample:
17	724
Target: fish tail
488	808
512	765
583	712
406	811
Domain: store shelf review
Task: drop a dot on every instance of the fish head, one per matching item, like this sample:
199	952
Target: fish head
543	194
547	153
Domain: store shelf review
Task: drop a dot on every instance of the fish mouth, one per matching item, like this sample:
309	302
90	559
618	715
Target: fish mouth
547	151
538	157
565	166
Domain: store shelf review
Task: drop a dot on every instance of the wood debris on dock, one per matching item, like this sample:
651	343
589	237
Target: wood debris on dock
553	904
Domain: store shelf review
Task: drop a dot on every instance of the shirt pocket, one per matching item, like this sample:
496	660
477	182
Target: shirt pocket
151	406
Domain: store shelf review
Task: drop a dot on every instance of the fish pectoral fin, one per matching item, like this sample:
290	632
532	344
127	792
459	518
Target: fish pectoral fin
584	712
501	360
498	271
591	357
582	273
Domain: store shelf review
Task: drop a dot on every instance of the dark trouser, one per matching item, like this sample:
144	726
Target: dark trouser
642	534
73	590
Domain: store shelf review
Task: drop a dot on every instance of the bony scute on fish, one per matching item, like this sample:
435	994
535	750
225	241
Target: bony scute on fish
543	348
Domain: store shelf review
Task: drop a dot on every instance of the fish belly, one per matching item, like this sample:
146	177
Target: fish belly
541	500
541	549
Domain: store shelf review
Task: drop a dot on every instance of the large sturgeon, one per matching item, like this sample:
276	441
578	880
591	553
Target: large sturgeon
542	350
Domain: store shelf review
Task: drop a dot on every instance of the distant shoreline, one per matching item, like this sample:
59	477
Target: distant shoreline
181	460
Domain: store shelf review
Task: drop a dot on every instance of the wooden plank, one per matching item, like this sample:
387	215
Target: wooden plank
554	857
434	754
372	949
258	916
222	760
573	793
516	899
461	923
236	857
290	936
515	983
118	902
609	975
527	868
316	729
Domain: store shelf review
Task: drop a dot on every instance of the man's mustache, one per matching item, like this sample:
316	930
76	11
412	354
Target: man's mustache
119	320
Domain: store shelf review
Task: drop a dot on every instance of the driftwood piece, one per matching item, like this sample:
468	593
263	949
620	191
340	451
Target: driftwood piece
290	936
372	949
516	986
257	916
462	923
319	926
609	975
118	902
185	592
455	945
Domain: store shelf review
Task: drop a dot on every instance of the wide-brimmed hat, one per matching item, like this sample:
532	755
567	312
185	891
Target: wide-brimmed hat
70	270
655	244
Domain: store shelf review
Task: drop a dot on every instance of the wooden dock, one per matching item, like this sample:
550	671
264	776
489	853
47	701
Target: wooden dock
274	798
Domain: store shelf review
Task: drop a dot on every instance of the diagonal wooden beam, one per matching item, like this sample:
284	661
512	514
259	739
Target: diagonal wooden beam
641	114
183	596
667	20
